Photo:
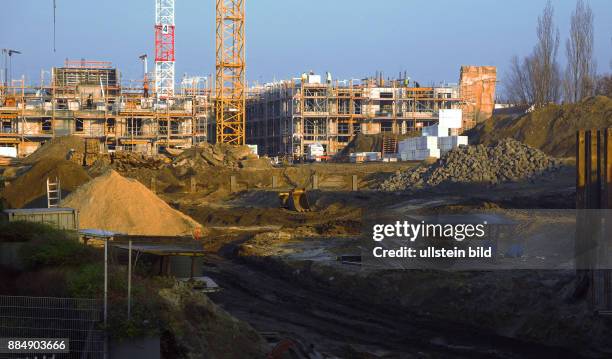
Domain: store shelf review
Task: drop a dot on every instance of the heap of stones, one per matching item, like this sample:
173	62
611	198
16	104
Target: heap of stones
506	161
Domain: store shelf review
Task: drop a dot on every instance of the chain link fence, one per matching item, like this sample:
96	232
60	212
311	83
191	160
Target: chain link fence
78	320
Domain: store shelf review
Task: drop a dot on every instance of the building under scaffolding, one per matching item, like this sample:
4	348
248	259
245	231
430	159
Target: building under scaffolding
85	98
284	118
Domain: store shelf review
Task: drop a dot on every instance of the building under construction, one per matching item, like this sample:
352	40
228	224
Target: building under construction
86	98
284	118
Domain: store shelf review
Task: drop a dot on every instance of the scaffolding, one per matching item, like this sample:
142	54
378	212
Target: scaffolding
286	117
85	99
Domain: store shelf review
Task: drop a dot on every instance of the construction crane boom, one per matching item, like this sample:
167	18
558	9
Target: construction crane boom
230	84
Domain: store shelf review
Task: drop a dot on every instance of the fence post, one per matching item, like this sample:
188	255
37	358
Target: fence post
153	185
233	184
315	181
274	182
354	183
194	184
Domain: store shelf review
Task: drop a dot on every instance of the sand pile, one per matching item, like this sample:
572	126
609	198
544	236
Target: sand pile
551	129
30	188
57	149
207	155
115	203
506	161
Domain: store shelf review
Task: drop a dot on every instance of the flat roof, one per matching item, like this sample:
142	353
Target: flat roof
39	210
163	249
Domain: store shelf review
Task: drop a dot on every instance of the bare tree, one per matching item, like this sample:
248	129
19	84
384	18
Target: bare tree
580	74
604	85
545	69
516	84
536	79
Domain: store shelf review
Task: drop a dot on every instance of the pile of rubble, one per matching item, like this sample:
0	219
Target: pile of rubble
207	155
506	161
124	161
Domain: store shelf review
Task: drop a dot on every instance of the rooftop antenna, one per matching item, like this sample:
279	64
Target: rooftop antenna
54	7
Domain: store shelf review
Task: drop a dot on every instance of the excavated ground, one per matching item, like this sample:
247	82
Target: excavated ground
279	272
278	268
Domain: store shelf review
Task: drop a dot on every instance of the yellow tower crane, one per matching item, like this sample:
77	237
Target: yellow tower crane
230	84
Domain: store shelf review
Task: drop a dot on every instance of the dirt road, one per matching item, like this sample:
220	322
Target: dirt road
345	327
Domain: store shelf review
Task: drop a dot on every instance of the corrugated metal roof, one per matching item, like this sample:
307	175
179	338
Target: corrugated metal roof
39	210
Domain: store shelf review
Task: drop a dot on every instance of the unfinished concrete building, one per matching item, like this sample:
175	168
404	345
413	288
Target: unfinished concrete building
85	98
285	117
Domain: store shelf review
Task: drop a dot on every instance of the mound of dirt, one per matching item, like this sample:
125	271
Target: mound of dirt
201	329
57	149
115	203
207	155
506	161
30	188
551	129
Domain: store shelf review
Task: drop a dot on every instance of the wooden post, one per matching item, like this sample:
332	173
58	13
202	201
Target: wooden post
606	202
315	181
153	185
193	184
608	169
593	170
192	266
581	170
274	182
129	288
354	183
233	184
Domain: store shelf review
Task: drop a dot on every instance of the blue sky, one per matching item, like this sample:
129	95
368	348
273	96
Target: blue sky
351	38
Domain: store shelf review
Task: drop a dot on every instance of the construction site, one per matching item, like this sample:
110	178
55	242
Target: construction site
207	217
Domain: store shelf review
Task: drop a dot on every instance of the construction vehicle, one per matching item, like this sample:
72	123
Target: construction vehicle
295	200
316	153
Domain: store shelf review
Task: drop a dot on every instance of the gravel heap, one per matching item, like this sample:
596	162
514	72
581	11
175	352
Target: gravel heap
505	161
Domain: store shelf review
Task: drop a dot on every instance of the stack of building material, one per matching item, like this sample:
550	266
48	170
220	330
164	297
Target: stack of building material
360	157
6	161
435	140
419	148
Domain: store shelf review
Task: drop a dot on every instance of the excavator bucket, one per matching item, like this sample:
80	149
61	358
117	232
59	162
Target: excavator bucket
295	200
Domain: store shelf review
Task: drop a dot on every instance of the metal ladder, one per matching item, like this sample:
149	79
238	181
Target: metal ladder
54	193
